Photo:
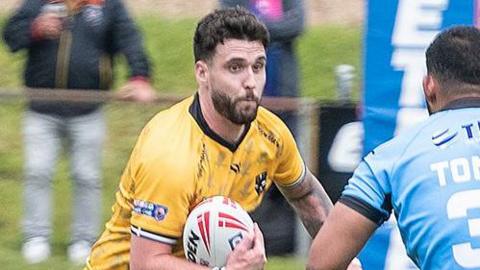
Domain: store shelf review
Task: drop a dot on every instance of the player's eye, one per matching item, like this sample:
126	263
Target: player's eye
258	67
235	68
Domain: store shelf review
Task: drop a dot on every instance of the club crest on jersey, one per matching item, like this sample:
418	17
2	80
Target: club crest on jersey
156	211
261	182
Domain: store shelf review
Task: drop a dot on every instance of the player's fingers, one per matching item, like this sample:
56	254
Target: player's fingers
245	244
259	242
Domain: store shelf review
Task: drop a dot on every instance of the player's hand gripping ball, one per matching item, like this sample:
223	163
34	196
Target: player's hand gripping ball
213	229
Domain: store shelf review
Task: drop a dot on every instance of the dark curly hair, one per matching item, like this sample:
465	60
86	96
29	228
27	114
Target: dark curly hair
223	24
454	57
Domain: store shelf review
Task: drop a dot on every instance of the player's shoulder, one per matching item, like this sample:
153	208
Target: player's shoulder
164	144
166	125
171	116
410	140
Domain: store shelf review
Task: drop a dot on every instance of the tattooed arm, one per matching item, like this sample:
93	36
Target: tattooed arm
309	200
312	205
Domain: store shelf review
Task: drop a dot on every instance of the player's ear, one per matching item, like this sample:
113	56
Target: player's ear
201	72
430	88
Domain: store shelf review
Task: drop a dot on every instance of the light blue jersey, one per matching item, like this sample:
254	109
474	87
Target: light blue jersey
430	178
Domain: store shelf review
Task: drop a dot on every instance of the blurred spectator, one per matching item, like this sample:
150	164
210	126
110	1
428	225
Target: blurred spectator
70	45
285	22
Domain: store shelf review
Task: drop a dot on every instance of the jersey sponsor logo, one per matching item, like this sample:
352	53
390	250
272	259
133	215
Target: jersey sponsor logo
472	130
269	136
156	211
202	162
443	138
260	182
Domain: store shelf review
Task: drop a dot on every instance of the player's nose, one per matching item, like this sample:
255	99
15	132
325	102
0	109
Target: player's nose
249	80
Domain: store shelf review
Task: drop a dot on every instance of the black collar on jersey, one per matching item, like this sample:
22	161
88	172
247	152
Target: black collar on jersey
461	103
196	111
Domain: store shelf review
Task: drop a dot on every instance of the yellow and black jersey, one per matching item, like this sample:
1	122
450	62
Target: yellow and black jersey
177	162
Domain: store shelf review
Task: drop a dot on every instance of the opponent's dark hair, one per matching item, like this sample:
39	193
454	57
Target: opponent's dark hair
223	24
454	56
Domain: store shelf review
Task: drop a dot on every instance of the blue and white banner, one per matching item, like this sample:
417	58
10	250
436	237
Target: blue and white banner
396	37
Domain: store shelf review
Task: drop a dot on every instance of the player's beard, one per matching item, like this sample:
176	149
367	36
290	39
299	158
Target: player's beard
230	108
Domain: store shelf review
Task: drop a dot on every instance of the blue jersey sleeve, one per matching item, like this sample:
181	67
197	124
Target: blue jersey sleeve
368	191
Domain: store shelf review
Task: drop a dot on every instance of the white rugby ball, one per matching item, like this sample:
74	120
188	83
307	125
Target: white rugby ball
213	229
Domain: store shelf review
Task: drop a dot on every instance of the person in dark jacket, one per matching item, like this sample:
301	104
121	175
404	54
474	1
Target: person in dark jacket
70	45
285	21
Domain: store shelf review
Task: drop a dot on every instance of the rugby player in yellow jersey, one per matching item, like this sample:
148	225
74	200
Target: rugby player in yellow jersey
217	142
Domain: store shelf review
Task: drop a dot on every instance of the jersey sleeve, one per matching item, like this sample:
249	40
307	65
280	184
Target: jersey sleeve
159	211
159	196
290	168
368	191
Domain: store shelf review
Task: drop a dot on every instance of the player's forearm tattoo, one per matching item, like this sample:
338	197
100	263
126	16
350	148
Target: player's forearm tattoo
310	202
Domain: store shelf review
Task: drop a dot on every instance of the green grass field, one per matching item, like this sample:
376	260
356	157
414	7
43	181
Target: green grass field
169	45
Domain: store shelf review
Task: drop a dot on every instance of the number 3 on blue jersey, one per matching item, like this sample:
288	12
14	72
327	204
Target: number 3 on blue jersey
457	207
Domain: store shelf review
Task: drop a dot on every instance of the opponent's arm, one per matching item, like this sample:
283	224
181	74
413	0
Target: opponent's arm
309	200
340	239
